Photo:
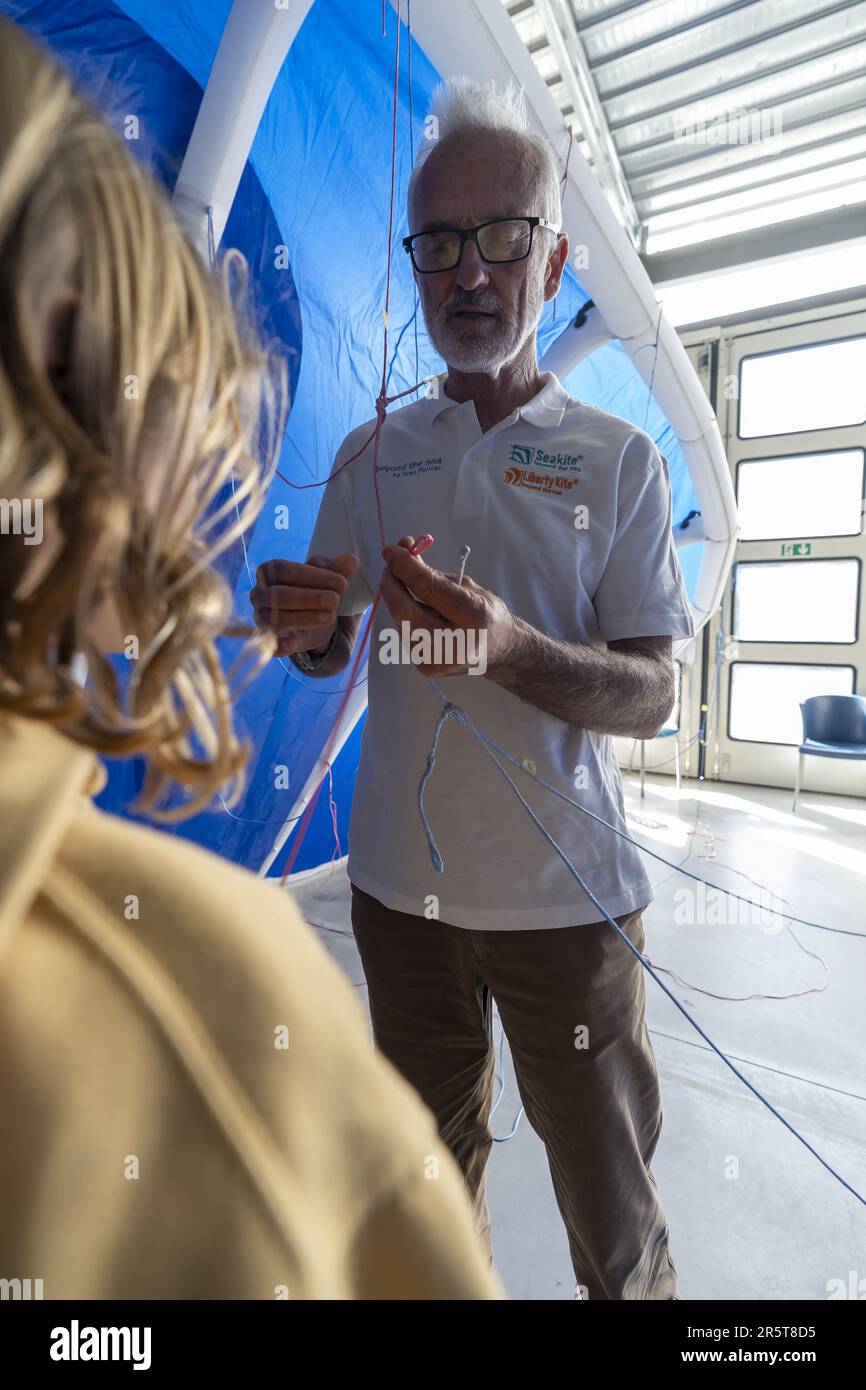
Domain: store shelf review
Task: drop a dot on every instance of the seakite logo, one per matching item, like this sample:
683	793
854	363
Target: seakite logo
553	477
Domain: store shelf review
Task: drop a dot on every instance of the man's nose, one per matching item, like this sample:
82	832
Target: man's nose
472	271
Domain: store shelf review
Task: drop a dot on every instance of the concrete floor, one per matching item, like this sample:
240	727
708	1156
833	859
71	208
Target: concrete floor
753	1215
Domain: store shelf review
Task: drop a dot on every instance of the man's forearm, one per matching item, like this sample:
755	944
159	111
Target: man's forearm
610	692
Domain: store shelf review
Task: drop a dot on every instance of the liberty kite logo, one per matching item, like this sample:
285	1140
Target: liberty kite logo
553	484
553	480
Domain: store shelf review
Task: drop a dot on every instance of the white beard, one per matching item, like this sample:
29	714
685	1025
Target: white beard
493	343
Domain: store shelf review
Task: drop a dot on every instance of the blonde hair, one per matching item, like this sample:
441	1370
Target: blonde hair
139	411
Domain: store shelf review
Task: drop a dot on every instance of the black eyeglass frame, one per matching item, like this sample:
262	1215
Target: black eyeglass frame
471	234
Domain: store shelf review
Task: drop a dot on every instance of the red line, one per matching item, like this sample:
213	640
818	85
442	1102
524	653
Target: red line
567	157
381	402
324	482
330	745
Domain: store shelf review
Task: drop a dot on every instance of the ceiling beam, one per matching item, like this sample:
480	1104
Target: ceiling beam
722	253
573	64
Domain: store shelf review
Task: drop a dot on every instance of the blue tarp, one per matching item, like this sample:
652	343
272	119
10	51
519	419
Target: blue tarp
317	183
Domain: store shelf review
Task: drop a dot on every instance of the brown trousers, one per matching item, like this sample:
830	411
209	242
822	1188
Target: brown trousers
571	1001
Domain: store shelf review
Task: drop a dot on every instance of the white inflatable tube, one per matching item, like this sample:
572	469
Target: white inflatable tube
255	41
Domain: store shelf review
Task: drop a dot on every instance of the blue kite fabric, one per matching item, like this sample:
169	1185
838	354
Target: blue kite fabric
311	218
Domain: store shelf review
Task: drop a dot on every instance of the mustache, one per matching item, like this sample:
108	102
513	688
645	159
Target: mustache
474	301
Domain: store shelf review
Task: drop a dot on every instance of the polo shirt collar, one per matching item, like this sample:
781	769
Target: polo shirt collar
545	409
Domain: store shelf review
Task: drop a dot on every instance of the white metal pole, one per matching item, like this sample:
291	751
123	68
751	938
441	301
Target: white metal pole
354	709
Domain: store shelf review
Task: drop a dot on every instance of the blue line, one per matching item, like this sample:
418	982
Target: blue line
488	744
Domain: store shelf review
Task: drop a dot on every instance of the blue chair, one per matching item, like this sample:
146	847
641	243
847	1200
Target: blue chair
834	726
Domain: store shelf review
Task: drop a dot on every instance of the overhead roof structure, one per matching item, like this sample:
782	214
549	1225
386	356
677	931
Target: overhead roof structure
705	120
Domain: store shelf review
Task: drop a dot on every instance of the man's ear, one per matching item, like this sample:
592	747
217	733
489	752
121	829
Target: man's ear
555	266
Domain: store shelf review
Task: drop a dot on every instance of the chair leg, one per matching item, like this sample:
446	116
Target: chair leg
642	768
631	755
797	780
677	759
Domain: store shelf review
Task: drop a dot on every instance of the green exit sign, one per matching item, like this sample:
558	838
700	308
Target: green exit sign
797	548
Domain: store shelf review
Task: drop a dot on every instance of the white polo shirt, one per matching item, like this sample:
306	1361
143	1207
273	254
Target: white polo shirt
568	513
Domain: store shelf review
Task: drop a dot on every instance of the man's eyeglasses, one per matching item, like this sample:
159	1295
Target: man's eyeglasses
503	239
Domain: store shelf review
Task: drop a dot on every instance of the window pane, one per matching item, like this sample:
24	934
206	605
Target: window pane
813	388
801	495
796	601
765	700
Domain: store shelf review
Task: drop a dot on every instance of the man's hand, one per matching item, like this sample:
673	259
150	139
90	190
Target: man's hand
299	602
628	689
428	599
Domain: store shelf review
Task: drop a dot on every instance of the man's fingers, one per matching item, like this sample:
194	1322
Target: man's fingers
468	584
344	565
291	572
281	619
428	585
402	606
318	572
290	597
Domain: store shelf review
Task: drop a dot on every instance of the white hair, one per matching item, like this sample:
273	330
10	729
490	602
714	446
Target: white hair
462	105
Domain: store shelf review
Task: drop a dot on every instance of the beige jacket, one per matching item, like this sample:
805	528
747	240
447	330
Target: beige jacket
158	1138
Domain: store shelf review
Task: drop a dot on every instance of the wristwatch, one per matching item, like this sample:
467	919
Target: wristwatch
306	661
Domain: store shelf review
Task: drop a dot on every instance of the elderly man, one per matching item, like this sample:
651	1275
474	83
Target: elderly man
574	597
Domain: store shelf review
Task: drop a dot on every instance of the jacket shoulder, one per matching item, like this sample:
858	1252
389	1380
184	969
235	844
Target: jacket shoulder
278	1012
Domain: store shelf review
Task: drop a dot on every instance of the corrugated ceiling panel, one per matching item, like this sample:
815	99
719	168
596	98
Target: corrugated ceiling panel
761	70
681	162
799	64
775	31
607	29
